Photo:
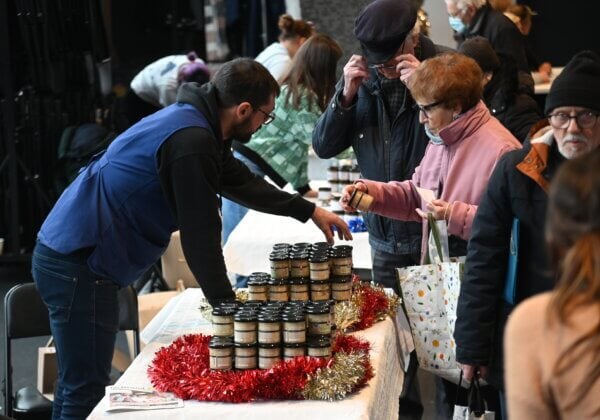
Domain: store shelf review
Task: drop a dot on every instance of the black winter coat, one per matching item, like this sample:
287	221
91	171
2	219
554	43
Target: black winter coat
517	189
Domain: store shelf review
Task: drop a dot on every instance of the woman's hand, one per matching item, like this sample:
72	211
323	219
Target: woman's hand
471	371
441	210
347	194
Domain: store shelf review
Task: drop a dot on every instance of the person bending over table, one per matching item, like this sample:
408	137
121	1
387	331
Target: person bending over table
115	220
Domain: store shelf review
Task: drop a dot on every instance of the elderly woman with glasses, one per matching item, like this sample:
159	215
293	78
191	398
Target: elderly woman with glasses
465	142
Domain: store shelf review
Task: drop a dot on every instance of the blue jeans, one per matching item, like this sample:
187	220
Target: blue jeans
232	212
84	319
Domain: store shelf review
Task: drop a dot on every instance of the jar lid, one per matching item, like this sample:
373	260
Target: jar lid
293	317
253	304
245	316
300	255
245	345
319	341
223	311
333	167
324	189
340	279
259	274
268	345
299	280
257	281
301	245
294	345
277	282
347	248
278	256
268	317
281	245
321	245
220	343
317	309
318	258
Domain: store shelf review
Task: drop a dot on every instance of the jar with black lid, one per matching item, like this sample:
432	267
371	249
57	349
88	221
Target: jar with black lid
280	265
220	353
294	327
300	289
320	290
258	289
278	290
319	347
341	288
245	356
269	328
319	267
222	321
245	327
268	355
318	319
291	350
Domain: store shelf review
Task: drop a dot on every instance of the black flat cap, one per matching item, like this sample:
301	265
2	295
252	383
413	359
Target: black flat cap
382	26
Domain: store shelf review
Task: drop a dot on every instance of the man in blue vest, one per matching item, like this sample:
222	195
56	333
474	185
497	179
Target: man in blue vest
114	221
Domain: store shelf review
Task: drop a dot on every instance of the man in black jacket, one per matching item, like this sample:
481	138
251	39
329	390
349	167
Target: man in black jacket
373	112
518	190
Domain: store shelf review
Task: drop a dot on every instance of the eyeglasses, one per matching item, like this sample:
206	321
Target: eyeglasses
425	109
269	116
585	119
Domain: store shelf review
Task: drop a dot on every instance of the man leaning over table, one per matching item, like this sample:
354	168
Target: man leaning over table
164	173
518	189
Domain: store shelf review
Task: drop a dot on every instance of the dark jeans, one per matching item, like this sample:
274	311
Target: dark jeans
84	319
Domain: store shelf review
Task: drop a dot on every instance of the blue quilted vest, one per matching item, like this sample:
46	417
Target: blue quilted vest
116	205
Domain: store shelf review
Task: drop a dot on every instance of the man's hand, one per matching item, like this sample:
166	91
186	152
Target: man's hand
407	63
347	193
355	71
470	371
325	220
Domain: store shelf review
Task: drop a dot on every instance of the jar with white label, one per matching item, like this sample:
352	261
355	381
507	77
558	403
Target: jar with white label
258	289
341	263
299	289
319	267
222	321
269	328
291	350
220	353
278	290
268	355
318	319
245	327
280	265
299	265
319	347
245	356
294	327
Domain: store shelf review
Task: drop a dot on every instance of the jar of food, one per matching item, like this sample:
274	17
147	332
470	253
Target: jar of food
245	356
222	321
278	290
268	355
220	353
319	290
341	263
332	173
294	327
354	173
319	319
280	265
341	288
291	350
282	247
319	267
344	173
361	200
269	328
258	289
245	327
300	246
299	289
299	264
319	347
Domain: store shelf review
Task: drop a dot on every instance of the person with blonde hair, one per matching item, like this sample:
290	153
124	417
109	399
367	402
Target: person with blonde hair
552	341
277	57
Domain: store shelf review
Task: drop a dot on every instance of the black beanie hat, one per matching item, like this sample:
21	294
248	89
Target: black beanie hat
480	50
382	26
578	84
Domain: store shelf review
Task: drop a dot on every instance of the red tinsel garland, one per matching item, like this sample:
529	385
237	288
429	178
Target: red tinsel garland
374	303
183	368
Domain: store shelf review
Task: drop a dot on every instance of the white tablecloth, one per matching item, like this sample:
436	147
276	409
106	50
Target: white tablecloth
248	247
378	400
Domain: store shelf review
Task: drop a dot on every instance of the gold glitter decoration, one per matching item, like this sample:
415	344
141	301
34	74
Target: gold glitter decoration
338	380
346	314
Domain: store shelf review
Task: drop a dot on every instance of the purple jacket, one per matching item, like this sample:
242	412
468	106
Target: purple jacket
457	171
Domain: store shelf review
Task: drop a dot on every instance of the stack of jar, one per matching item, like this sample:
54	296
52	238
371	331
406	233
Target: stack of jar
259	334
342	173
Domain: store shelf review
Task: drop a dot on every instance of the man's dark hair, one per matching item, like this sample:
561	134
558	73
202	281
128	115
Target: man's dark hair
244	80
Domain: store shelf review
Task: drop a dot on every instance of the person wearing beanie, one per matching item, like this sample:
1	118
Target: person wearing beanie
156	86
516	110
517	191
373	112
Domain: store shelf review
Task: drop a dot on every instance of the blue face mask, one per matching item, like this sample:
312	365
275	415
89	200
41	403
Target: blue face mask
457	24
435	139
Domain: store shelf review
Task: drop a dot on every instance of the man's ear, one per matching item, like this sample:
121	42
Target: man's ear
243	110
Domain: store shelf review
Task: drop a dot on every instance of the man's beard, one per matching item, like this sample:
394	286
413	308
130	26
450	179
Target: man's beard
574	145
242	131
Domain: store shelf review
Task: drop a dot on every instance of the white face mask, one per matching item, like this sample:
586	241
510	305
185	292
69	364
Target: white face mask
435	139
